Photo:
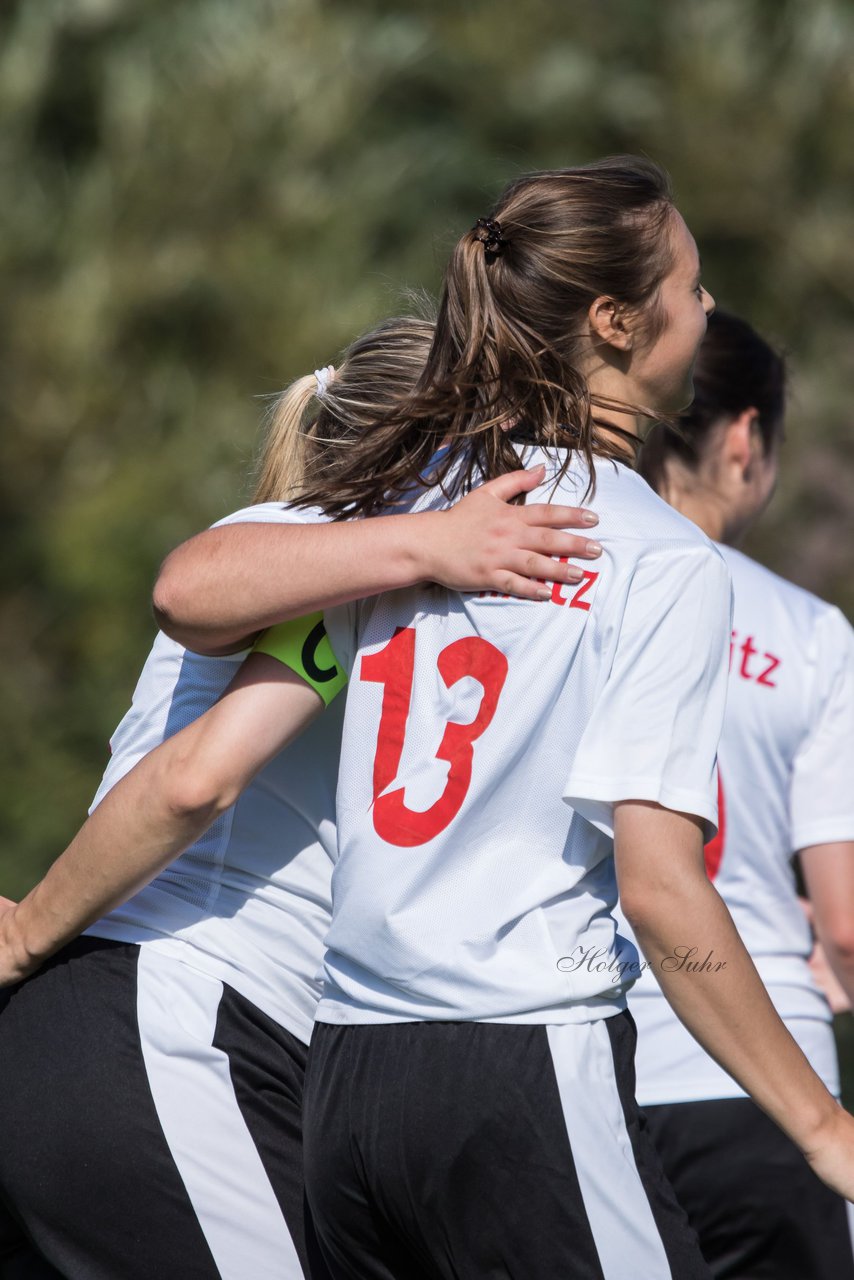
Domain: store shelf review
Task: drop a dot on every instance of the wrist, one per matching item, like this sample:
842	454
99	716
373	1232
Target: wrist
18	961
818	1127
418	561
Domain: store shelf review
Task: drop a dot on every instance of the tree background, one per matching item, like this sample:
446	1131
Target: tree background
208	199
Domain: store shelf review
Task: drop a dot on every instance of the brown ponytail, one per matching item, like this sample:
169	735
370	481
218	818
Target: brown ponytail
507	343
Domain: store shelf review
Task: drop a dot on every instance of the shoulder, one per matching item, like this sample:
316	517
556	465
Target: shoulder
638	511
807	611
643	535
273	513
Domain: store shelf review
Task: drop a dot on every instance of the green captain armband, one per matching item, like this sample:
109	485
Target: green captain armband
303	645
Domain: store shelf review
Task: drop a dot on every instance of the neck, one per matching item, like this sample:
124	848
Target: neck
624	422
604	370
699	504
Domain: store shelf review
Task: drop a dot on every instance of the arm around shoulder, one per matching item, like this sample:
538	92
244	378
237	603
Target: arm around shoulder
219	589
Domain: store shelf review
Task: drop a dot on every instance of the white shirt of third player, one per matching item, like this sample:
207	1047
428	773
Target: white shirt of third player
786	764
486	742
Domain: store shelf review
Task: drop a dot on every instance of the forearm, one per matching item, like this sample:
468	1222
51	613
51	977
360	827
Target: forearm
686	933
159	808
828	983
725	1006
829	875
129	838
834	941
219	589
841	965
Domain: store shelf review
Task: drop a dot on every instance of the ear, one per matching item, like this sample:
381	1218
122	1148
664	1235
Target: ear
742	441
609	323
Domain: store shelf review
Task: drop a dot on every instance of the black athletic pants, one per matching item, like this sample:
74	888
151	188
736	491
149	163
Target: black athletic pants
150	1125
759	1210
471	1150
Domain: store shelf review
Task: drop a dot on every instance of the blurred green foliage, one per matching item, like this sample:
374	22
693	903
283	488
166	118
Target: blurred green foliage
205	200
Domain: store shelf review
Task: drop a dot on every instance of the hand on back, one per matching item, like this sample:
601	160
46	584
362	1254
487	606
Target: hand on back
485	543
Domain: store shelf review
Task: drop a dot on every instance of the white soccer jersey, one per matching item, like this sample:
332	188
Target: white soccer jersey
249	902
486	742
786	770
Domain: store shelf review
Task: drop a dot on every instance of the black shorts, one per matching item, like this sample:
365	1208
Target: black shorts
759	1210
467	1150
150	1122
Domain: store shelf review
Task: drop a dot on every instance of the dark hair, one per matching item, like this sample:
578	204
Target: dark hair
507	343
735	370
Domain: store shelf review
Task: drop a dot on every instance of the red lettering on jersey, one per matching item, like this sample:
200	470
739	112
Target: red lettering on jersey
714	850
578	601
772	666
393	667
747	652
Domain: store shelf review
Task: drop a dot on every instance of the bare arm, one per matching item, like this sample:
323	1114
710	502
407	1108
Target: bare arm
159	808
218	590
829	876
673	909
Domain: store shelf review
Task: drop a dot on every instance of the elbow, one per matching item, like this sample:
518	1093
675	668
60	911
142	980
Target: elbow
840	941
165	600
653	907
197	797
639	907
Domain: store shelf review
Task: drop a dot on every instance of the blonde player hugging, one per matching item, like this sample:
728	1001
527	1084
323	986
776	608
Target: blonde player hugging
160	1058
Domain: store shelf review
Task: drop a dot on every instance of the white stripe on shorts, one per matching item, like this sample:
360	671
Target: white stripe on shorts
203	1125
626	1235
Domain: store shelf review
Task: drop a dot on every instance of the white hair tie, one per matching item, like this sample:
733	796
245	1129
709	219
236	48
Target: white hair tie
323	378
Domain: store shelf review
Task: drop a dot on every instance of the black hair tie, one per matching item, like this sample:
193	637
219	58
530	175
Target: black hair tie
488	232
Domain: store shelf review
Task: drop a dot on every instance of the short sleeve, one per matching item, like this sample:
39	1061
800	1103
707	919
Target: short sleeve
822	791
654	729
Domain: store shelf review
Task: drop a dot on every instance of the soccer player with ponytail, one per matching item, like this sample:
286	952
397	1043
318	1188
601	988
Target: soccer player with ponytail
507	767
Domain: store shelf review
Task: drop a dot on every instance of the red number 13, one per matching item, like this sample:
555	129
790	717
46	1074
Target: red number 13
393	667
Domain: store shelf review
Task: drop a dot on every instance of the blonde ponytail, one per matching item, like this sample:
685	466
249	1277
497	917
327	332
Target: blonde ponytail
324	417
282	465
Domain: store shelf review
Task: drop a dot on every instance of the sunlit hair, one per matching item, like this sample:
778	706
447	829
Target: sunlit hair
309	417
509	335
735	370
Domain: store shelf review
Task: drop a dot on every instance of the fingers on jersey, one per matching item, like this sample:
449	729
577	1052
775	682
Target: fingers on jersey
513	483
541	554
509	548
